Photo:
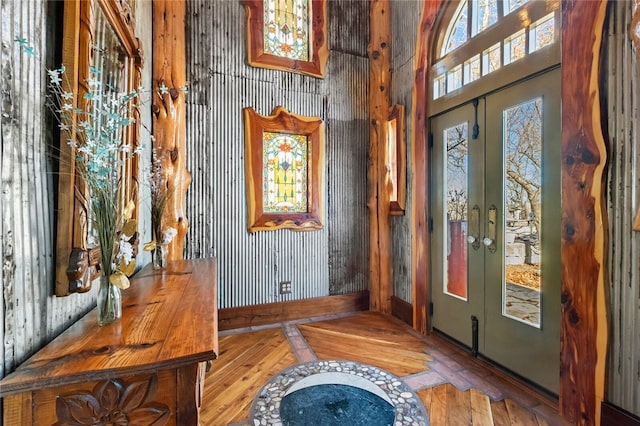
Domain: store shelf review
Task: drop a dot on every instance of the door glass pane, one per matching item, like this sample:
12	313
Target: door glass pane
523	187
456	190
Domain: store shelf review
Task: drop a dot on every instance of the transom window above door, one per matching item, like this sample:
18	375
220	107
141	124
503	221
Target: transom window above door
491	38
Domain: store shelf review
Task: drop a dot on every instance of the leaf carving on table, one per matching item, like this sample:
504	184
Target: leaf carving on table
149	415
113	402
81	408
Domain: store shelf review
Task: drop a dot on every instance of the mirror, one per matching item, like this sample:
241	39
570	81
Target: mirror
99	47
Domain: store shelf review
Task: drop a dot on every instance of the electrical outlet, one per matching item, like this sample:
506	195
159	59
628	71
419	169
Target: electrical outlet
285	287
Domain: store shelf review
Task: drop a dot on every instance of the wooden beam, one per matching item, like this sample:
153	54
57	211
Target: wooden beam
419	159
584	317
169	112
380	251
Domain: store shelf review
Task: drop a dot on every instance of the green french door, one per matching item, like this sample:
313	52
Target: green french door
495	206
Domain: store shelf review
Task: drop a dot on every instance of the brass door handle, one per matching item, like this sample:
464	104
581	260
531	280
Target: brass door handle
492	229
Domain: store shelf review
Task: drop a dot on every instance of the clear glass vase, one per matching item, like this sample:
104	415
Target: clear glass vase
159	256
109	302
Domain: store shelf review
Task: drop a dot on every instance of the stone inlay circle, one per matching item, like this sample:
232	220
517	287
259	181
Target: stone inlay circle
408	408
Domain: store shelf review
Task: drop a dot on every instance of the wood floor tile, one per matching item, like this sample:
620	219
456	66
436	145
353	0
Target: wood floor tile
368	341
245	363
248	360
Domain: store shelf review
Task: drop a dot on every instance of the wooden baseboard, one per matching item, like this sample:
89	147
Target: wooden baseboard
271	313
614	415
402	310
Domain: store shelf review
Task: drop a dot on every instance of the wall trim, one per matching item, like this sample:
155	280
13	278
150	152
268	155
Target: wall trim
402	310
271	313
614	415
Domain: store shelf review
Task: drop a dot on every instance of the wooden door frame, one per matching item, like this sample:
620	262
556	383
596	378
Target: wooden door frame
583	317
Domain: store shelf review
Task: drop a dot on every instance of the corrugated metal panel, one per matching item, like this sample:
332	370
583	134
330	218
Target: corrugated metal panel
30	315
623	202
405	17
250	266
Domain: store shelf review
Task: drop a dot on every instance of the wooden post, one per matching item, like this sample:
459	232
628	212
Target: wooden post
169	115
584	315
379	50
419	160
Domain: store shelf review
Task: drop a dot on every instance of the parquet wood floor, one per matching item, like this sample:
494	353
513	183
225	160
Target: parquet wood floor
455	388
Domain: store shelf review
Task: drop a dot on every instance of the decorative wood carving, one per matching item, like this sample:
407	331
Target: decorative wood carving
419	159
319	53
584	301
73	211
116	402
380	252
281	121
169	112
84	267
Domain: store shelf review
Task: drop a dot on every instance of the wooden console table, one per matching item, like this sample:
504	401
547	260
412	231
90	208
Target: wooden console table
147	368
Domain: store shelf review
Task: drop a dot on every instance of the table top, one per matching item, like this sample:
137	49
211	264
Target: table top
169	320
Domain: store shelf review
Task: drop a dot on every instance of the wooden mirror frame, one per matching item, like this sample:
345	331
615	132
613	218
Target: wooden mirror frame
76	263
398	172
281	121
318	51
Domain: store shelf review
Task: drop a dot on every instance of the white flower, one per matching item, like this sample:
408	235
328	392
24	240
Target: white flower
125	252
168	235
54	77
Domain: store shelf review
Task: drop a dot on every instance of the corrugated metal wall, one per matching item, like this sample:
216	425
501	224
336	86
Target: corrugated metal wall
250	266
405	20
30	315
623	201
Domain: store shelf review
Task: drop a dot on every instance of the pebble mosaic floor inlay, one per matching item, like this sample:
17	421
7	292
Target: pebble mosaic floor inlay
408	408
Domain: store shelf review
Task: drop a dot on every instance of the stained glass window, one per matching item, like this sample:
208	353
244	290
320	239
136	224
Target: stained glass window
287	35
285	159
284	170
286	32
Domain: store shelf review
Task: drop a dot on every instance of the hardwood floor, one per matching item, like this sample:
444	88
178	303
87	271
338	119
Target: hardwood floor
455	388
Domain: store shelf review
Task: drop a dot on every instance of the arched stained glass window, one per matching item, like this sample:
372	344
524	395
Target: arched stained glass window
483	37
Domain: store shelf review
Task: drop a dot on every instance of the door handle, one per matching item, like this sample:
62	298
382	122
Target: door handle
492	229
474	228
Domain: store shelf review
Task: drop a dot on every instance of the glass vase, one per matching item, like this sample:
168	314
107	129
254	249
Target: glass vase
109	302
159	256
